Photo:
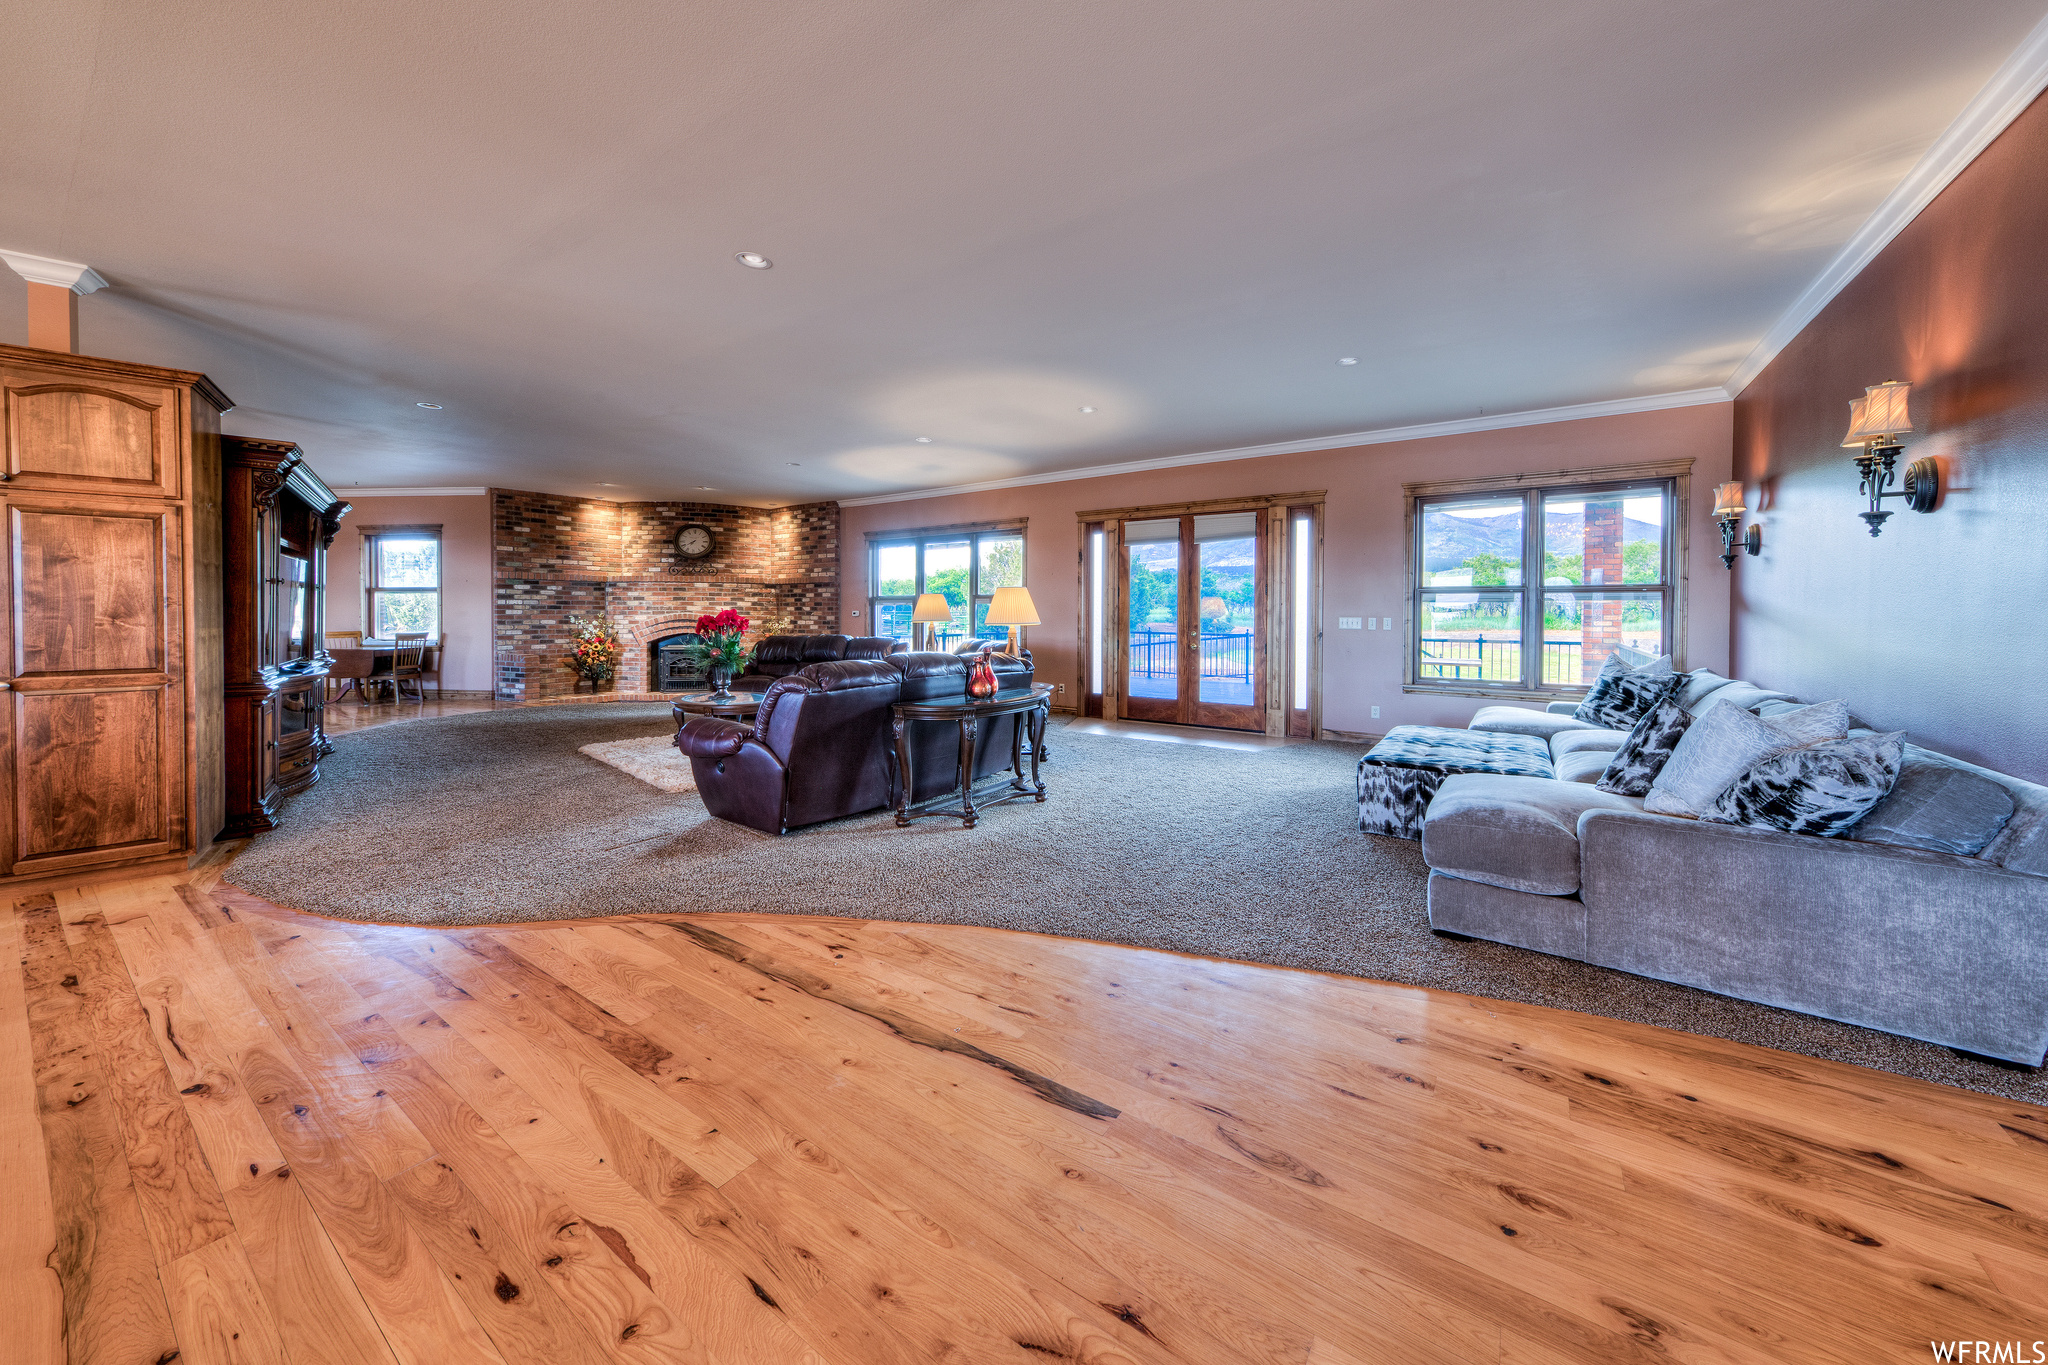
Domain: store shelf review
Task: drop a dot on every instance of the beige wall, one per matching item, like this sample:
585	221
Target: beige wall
1365	552
465	524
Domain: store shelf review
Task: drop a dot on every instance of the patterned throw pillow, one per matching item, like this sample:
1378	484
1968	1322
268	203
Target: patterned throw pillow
1821	789
1642	755
1597	697
1724	742
1619	700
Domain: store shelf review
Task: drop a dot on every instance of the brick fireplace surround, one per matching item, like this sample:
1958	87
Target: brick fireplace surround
555	558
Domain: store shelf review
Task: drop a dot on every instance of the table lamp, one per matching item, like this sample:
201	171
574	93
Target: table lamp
931	609
1012	607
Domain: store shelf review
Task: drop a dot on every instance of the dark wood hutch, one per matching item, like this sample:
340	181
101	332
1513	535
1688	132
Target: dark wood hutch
278	521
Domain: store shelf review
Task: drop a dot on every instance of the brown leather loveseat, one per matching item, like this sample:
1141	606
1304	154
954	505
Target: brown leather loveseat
822	746
778	656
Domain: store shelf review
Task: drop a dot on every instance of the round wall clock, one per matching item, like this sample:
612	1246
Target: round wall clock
694	542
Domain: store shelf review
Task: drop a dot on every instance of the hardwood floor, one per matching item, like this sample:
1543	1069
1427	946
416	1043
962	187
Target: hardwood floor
233	1133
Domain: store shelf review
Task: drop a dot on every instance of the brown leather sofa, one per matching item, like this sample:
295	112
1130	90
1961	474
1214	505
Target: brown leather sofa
822	746
778	656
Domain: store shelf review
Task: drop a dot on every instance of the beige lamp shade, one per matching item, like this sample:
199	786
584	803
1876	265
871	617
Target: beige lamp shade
1879	413
1728	501
932	609
1012	607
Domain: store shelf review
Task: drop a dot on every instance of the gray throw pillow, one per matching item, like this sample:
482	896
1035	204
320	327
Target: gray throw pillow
1647	749
1620	699
1820	789
1724	742
1937	807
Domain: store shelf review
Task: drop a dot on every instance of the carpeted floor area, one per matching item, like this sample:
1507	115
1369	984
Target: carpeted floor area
1255	856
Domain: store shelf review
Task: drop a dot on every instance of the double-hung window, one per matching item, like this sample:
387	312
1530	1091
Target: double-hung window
1531	590
402	576
963	565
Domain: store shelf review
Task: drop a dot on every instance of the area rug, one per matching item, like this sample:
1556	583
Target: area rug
654	759
495	817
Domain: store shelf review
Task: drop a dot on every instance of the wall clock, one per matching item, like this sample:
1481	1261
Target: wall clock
694	542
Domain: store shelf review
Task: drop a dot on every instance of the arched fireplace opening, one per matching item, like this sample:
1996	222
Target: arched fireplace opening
669	665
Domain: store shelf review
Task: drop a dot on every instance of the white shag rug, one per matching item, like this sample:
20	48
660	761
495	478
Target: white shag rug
655	760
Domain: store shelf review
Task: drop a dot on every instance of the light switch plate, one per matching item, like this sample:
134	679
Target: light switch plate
1350	623
1387	623
1372	623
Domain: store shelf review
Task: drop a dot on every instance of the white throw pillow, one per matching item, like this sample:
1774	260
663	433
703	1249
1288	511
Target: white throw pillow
1724	742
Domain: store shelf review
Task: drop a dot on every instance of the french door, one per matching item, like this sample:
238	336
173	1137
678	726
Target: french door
1194	597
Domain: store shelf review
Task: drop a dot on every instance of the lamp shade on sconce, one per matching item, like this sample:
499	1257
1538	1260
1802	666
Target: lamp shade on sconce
932	609
1879	414
1728	501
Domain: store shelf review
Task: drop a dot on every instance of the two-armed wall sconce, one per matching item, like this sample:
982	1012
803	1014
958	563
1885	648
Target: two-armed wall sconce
1875	422
1728	510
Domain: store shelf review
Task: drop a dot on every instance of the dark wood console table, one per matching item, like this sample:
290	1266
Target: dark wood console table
1030	707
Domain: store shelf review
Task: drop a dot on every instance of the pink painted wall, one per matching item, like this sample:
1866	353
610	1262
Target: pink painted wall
465	524
1365	551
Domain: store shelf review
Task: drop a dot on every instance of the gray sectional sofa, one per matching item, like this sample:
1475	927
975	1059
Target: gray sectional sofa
1932	945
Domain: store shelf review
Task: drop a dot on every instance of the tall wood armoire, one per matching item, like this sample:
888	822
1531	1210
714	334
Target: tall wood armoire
111	666
278	521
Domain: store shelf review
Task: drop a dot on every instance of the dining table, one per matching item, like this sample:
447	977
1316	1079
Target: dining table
360	665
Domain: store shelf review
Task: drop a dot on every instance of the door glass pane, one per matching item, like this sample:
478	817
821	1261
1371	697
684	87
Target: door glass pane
946	563
1153	592
1472	544
1470	637
1227	551
896	571
407	563
1604	538
1581	630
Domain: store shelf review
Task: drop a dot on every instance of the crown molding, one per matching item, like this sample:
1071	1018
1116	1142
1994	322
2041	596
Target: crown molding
73	275
2004	98
411	492
1613	407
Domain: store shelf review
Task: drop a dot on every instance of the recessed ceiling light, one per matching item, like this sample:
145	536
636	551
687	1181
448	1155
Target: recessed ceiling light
607	485
435	406
922	440
706	488
795	464
1347	360
1087	409
753	260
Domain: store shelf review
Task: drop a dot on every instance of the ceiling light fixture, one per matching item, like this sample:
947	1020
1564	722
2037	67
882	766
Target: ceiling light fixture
1087	409
753	260
706	488
435	406
1347	360
922	440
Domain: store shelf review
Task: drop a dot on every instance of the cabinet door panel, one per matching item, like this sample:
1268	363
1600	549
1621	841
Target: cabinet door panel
91	783
90	434
89	591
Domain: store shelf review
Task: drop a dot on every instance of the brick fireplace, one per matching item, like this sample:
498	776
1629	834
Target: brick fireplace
556	558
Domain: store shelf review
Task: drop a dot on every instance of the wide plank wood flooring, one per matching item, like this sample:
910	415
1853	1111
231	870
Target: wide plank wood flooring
234	1133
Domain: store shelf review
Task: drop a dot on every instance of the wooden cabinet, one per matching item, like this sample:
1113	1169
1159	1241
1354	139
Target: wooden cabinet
110	662
278	521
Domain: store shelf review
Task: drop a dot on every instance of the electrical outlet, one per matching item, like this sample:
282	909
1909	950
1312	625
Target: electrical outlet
1375	713
1063	689
1387	623
1350	623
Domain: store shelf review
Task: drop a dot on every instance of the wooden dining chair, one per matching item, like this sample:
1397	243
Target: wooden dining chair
405	663
333	642
430	665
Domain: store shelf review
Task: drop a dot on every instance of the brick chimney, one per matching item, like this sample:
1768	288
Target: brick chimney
1600	622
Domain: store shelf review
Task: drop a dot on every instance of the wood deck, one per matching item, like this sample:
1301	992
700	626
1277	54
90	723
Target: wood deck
236	1133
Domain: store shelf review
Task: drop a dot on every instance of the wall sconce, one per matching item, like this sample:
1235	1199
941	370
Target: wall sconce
1875	421
1728	510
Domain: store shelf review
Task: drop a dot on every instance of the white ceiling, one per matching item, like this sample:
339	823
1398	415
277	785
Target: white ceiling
983	215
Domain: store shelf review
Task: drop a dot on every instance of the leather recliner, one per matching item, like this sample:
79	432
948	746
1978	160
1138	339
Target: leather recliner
778	656
822	745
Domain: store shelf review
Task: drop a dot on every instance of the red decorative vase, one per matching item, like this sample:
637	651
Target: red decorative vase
981	676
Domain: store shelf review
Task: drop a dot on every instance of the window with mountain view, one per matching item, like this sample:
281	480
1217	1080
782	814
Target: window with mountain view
964	567
1487	616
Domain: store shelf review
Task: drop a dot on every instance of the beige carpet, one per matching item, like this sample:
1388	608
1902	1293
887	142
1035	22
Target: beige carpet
655	760
1255	856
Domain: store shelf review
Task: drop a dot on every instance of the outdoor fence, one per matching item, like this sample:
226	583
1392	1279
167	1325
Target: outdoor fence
1478	659
1156	654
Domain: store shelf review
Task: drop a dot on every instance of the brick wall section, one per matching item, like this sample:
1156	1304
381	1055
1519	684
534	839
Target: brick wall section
1600	622
557	558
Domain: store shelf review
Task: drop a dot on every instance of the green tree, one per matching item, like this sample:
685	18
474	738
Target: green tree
1571	568
950	584
1642	561
1002	565
1490	570
1150	591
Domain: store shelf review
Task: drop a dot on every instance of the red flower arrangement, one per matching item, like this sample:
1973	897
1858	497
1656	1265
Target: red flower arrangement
718	650
597	649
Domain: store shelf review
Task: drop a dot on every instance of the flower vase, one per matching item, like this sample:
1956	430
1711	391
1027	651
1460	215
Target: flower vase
981	677
721	682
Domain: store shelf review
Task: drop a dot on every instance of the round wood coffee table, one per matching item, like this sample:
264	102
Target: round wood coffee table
739	706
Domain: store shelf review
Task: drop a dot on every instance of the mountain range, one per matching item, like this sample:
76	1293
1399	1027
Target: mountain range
1450	541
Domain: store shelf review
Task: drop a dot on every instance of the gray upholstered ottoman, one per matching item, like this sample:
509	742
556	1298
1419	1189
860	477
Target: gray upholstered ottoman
1398	778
